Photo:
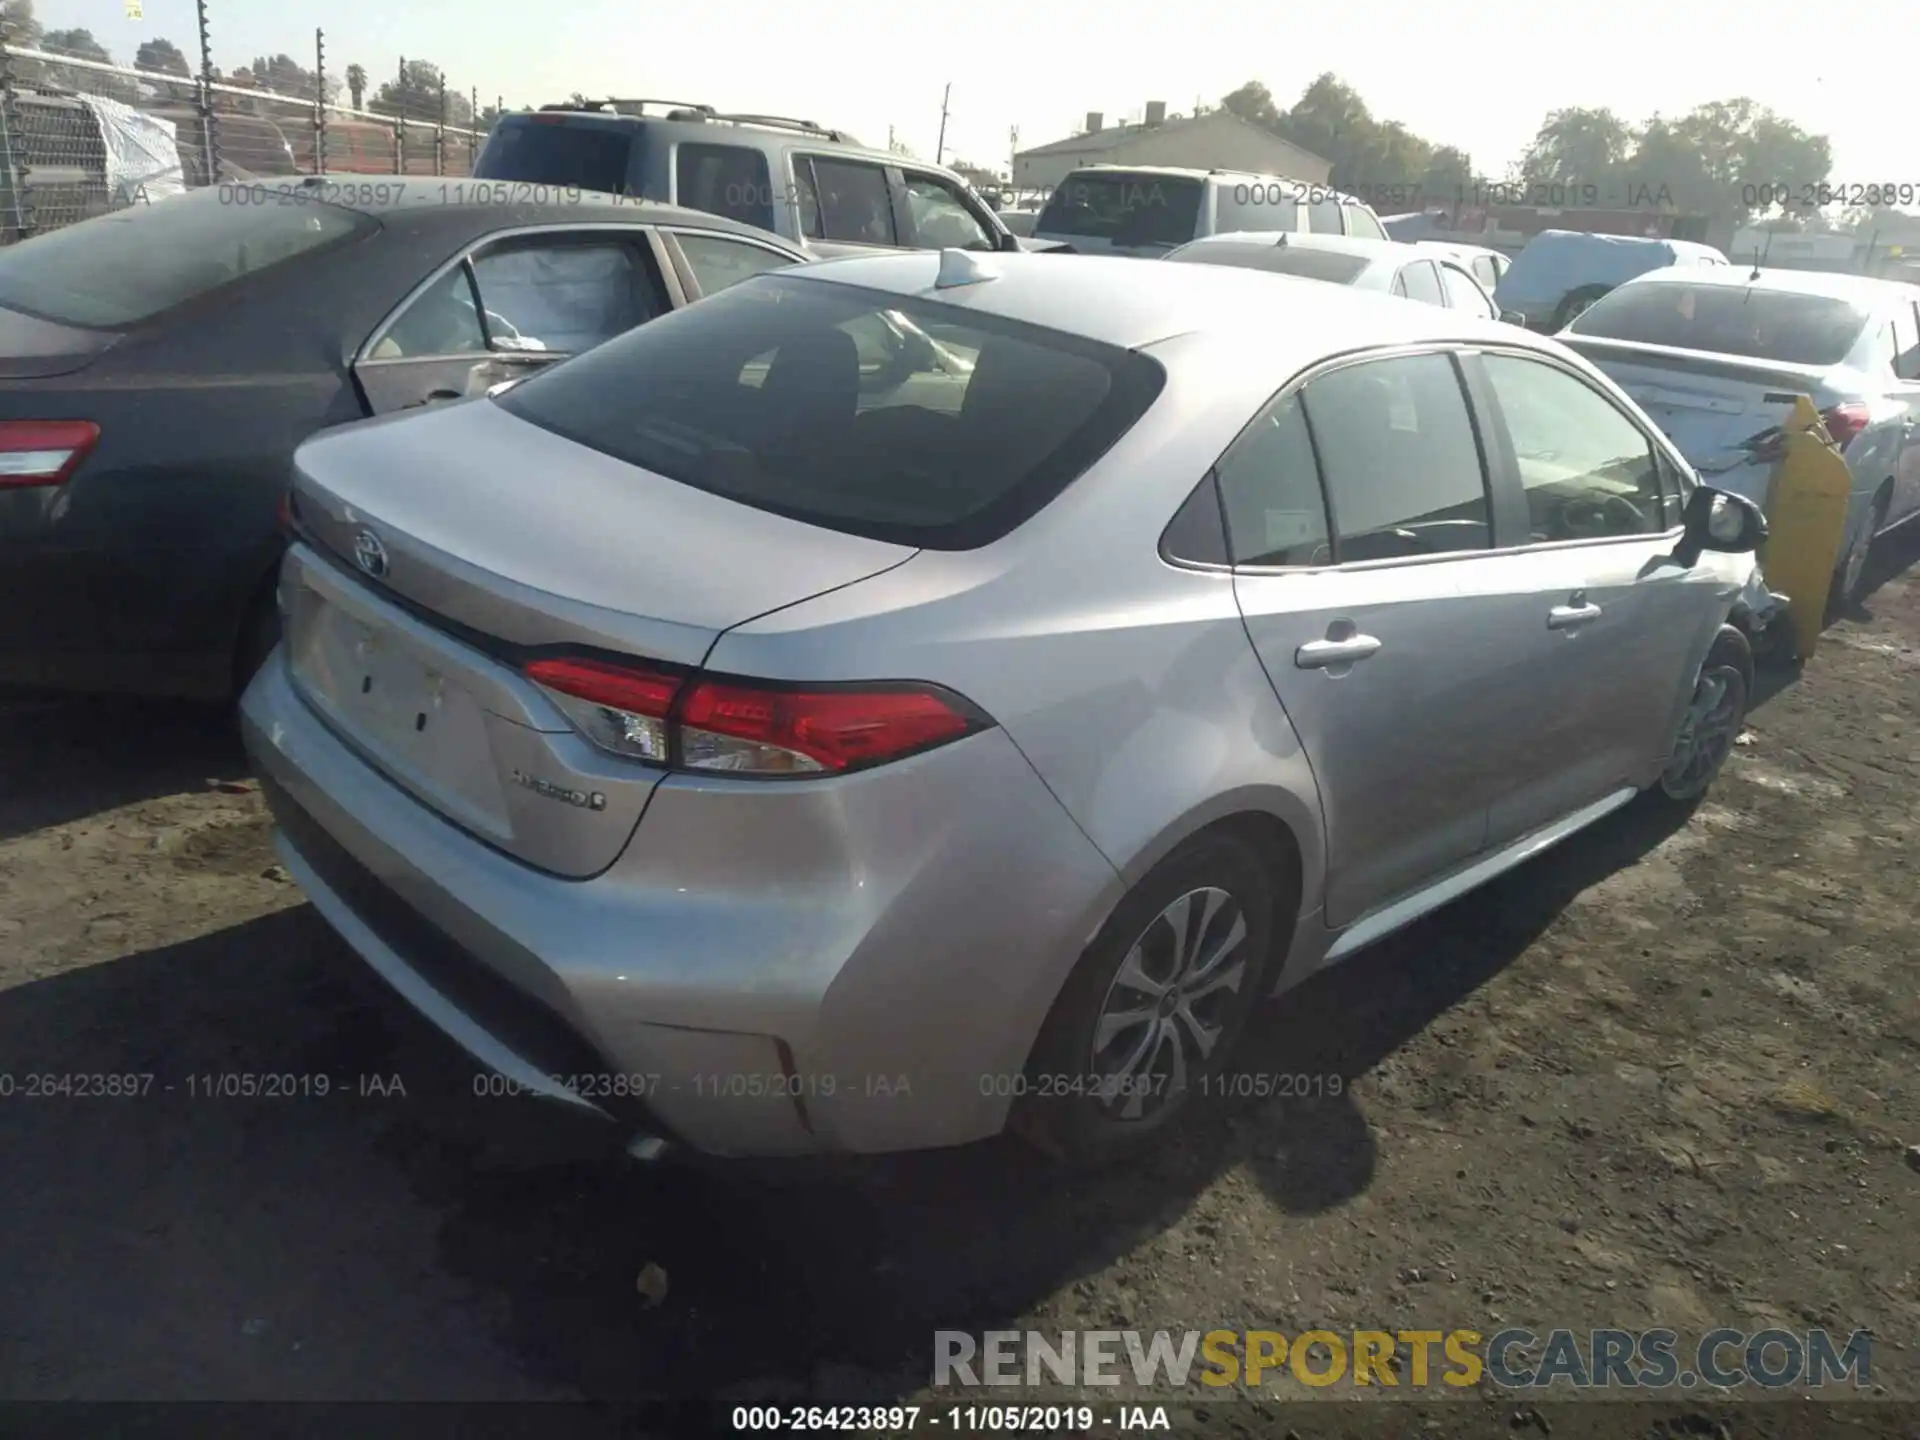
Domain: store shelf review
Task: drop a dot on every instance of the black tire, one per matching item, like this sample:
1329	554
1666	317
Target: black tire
1729	661
1850	575
1063	1112
1573	305
259	633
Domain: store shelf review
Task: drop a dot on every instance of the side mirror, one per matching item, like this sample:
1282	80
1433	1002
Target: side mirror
1720	521
1514	317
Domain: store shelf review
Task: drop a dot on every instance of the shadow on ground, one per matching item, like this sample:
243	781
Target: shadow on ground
63	759
361	1245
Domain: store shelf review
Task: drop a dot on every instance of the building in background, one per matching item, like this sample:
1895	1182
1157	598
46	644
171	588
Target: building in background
1217	140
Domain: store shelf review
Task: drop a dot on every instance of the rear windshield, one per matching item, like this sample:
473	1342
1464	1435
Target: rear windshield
120	268
1123	209
1332	265
1776	325
578	156
863	412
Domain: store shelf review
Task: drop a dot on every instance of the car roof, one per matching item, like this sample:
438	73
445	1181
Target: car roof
1133	303
1314	240
1187	172
1448	247
1861	289
462	201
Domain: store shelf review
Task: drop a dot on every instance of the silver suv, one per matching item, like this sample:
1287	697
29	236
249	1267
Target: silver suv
805	182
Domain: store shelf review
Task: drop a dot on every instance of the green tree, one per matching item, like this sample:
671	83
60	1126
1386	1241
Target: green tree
1253	102
417	96
357	85
162	56
22	29
1577	146
78	43
1449	175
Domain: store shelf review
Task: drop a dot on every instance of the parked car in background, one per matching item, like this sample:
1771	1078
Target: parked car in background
251	147
1718	356
803	181
1383	265
1562	272
159	364
1018	222
1150	209
1227	620
1486	266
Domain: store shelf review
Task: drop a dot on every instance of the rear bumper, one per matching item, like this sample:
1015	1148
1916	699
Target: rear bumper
857	964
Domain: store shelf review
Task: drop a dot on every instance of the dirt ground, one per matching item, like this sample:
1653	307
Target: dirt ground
1665	1075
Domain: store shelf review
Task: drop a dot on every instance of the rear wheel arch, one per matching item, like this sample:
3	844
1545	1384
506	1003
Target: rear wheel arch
1274	839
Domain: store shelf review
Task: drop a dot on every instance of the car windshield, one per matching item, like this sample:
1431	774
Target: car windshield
1301	260
123	267
551	150
1123	208
1758	324
858	411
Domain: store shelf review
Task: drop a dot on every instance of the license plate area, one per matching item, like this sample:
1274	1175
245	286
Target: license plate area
412	719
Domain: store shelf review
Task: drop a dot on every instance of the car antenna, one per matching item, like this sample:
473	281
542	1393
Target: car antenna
1282	240
1760	257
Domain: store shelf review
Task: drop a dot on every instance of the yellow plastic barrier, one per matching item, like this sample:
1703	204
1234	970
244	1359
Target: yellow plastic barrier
1806	523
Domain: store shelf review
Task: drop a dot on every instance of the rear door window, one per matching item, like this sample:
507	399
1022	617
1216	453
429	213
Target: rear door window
729	180
719	262
941	219
1486	272
121	268
1399	458
558	151
1360	222
846	200
1462	294
866	412
1421	283
1323	217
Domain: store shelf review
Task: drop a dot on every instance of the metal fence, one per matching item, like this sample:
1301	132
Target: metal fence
80	137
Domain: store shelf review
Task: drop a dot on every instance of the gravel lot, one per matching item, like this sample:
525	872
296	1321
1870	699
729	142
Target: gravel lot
1664	1075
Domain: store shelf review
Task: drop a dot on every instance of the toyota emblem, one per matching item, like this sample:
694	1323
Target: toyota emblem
369	554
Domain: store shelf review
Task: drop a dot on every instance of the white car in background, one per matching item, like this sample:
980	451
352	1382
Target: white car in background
1147	210
1485	265
1412	272
1718	355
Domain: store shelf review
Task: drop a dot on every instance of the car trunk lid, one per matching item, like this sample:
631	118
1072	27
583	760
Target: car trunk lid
1717	408
458	544
35	349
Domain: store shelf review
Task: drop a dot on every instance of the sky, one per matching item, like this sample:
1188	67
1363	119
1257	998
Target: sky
1479	77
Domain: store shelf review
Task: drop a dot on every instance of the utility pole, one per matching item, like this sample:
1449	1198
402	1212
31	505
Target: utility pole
940	148
1013	158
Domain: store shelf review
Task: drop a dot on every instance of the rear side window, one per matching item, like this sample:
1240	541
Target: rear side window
1323	217
1486	272
1421	282
1124	209
1463	294
555	152
120	268
865	412
1759	324
845	200
1399	458
1270	489
1361	222
728	180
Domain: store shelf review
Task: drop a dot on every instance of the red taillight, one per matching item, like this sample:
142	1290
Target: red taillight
739	727
1845	421
43	452
730	725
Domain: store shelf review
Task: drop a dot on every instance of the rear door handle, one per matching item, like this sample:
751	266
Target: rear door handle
1572	617
1320	654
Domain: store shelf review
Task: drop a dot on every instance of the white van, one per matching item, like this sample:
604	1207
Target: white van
1150	209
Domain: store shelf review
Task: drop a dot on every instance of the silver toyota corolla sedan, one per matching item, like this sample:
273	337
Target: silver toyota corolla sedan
778	737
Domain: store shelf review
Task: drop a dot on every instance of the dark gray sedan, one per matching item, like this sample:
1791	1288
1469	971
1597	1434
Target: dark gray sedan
159	365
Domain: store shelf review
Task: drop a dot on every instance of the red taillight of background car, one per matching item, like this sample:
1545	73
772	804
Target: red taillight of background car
43	452
739	727
1846	420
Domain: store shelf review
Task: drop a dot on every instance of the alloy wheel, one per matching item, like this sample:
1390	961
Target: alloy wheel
1707	731
1169	1004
